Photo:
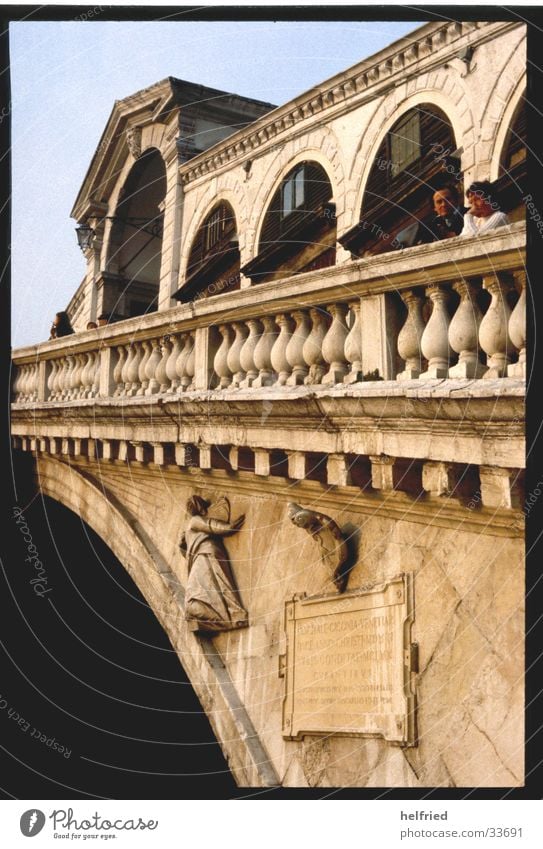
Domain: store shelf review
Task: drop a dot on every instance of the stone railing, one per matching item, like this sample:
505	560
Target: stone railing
455	309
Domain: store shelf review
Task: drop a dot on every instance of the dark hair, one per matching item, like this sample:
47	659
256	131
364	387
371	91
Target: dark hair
447	187
484	189
64	326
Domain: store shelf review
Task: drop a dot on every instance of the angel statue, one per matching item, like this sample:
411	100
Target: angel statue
212	601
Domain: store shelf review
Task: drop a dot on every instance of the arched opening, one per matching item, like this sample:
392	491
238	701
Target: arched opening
135	246
118	714
299	228
213	265
512	178
416	157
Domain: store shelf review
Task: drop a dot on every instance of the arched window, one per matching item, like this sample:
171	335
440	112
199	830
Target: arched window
417	155
213	265
512	182
132	278
299	229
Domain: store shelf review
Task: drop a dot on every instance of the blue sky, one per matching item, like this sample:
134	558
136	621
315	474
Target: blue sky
65	77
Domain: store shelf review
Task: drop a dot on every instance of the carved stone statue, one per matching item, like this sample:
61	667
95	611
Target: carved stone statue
133	140
333	546
212	600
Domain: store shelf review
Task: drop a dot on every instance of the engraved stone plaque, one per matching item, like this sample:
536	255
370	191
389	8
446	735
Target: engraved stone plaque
350	664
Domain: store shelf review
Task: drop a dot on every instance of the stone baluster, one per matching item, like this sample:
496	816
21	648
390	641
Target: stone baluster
435	339
161	375
67	377
493	332
126	365
118	371
464	333
247	354
61	363
51	380
295	348
312	350
233	358
190	364
132	369
517	330
18	383
21	383
27	379
353	346
279	351
263	352
95	388
220	363
171	372
409	337
87	374
143	380
333	347
181	364
34	382
152	366
76	385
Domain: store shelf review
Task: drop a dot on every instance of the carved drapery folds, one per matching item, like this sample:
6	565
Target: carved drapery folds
212	601
332	543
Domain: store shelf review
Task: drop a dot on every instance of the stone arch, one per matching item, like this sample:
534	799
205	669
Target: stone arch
321	146
436	89
228	190
162	590
508	86
503	129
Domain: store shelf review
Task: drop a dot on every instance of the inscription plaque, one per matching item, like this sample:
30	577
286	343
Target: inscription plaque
350	665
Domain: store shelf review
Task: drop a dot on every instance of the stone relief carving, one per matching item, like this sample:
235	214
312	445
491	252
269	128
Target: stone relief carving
133	140
212	601
332	543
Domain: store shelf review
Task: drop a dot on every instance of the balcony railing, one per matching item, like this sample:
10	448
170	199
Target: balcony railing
453	309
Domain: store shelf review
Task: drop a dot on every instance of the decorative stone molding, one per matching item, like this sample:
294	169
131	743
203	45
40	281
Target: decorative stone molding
361	81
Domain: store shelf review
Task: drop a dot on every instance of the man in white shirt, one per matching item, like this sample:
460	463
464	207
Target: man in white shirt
484	212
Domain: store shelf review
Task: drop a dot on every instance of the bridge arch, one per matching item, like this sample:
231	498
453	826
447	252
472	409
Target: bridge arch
130	543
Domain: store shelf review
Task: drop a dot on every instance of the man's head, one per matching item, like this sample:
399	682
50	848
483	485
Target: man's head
445	201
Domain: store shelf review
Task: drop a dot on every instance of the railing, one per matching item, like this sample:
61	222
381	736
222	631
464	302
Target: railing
455	309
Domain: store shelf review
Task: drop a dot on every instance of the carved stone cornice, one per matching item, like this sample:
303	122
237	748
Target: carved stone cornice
365	80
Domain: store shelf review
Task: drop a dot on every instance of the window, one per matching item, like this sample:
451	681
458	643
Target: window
216	227
293	192
405	146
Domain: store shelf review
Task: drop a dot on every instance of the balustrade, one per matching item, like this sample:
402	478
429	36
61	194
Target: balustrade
449	329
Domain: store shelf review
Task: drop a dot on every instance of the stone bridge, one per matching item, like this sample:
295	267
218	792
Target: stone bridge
341	391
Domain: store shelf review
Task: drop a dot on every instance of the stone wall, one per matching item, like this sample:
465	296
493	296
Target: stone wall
468	622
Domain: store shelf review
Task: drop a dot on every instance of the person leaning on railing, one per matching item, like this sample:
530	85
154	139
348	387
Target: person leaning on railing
484	211
61	326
